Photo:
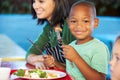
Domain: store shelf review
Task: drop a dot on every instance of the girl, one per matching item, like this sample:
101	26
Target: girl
54	12
115	62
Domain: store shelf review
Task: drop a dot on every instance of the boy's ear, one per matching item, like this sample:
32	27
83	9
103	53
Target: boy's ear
96	22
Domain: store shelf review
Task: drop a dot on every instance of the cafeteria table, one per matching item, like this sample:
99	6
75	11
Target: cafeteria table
10	50
13	57
15	65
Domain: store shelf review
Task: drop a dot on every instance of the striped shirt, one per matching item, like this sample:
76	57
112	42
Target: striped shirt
57	51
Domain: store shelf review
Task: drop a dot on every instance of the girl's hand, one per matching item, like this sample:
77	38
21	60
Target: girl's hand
69	52
40	65
49	61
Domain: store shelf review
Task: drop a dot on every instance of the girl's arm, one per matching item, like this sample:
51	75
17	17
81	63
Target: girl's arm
34	55
50	62
33	58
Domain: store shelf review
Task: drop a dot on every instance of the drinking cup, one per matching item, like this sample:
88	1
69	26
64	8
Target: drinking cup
5	73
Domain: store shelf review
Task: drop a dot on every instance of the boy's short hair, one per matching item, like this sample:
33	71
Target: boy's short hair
86	3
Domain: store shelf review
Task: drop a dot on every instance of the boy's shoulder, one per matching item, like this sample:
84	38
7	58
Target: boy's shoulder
99	42
95	42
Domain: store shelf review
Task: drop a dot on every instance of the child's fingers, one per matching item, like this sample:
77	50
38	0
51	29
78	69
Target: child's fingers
64	46
49	61
40	65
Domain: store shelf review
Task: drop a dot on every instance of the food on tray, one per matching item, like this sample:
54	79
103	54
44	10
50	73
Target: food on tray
35	73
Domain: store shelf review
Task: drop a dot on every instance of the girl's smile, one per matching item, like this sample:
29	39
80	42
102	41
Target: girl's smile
43	11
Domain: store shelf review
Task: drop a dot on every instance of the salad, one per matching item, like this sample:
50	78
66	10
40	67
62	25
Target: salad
35	73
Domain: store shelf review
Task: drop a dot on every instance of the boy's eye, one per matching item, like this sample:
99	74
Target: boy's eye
85	21
73	21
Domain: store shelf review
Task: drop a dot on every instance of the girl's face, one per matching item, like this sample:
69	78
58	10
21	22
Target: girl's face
82	22
44	8
115	62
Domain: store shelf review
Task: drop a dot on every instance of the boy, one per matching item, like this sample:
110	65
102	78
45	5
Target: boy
87	57
115	62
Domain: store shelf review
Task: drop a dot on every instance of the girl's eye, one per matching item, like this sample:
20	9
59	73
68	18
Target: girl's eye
41	1
33	0
117	59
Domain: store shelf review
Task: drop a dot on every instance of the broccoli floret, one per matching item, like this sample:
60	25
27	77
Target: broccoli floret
20	72
43	75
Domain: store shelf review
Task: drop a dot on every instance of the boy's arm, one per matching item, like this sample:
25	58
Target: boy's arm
88	72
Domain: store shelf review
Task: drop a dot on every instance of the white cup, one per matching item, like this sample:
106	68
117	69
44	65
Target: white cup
4	73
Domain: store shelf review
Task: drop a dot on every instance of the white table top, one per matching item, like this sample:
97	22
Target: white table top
9	50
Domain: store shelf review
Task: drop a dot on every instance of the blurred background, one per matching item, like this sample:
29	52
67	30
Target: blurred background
104	7
16	21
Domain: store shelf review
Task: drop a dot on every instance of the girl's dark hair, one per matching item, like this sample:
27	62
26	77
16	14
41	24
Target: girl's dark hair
60	13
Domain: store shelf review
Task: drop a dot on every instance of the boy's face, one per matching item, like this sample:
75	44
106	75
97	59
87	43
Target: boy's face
115	62
82	22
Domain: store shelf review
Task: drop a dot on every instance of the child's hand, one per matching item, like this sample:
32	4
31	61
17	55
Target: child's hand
49	61
69	52
40	65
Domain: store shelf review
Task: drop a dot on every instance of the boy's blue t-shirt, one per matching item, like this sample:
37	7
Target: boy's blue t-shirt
95	53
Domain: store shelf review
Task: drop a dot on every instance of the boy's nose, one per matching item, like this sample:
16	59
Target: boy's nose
79	25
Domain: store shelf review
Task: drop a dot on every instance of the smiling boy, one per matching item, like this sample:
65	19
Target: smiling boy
86	57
